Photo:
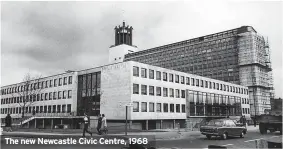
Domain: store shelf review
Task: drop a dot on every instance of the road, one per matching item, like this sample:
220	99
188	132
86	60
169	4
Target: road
192	141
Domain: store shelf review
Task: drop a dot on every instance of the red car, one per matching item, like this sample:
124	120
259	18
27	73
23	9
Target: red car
223	128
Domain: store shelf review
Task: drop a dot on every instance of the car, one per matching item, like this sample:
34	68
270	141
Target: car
224	128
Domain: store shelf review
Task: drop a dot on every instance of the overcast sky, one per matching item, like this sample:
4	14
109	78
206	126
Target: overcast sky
51	37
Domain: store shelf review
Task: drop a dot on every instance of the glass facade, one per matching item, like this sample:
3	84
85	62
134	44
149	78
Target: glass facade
211	104
89	94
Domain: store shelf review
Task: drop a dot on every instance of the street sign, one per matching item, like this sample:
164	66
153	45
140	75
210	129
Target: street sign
130	104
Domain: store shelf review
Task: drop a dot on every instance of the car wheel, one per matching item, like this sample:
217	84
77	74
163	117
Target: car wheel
242	134
224	136
208	136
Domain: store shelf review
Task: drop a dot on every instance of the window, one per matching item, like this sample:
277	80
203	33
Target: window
70	79
164	76
201	83
151	90
183	108
63	108
158	107
69	93
158	75
50	83
172	108
182	80
177	93
210	85
243	110
136	71
165	107
221	87
151	107
58	108
144	89
178	108
60	82
42	96
59	95
54	95
187	80
171	92
151	74
193	81
65	81
171	78
64	94
165	92
46	84
55	82
197	82
135	89
183	94
213	85
158	91
177	78
217	86
248	111
143	73
136	107
144	107
50	96
69	108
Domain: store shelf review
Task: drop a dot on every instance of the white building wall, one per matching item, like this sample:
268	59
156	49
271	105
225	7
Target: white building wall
115	90
117	53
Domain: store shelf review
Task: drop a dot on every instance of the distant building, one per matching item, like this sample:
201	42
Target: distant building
239	56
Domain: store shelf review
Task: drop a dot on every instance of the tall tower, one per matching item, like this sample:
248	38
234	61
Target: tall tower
123	44
123	35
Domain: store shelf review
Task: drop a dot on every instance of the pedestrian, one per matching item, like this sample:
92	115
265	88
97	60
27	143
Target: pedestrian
8	121
86	122
99	121
33	112
104	123
244	121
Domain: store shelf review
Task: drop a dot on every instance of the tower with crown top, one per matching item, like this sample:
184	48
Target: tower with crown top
123	43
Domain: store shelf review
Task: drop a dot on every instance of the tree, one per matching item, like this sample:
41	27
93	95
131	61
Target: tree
27	91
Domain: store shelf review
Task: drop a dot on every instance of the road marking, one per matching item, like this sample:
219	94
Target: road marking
227	144
253	140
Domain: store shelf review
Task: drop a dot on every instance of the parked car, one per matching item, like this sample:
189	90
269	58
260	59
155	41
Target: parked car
223	128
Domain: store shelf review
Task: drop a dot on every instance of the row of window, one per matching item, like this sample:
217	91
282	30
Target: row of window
186	80
158	107
38	109
38	85
246	110
152	90
39	97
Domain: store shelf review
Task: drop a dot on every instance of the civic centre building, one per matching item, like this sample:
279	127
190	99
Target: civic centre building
155	97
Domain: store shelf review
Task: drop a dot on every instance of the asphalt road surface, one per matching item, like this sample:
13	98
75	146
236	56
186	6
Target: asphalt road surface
194	141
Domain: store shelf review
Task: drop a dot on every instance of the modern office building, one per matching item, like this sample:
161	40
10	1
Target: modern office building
239	56
155	97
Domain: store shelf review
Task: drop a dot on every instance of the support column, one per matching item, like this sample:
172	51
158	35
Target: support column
52	123
35	123
43	123
174	124
146	124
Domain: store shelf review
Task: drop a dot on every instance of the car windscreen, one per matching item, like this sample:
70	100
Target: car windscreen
215	123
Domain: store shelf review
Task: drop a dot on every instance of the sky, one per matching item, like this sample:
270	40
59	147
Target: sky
47	38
